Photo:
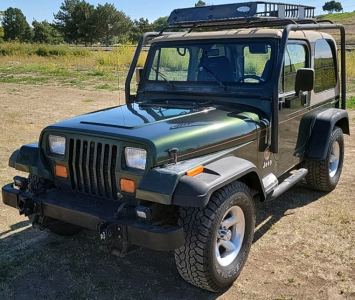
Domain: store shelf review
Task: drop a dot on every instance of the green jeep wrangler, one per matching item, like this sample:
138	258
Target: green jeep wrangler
235	104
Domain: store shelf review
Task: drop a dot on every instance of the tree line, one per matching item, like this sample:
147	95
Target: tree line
78	22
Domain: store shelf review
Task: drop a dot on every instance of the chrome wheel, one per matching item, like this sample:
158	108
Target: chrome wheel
230	236
334	159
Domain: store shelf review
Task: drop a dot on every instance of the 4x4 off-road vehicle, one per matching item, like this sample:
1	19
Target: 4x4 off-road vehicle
237	105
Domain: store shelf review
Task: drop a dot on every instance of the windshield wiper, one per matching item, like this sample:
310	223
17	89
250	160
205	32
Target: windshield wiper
162	75
215	77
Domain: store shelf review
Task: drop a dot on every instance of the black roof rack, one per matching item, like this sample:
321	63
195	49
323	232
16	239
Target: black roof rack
242	13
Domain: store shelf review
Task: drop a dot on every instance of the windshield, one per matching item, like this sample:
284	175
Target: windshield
234	61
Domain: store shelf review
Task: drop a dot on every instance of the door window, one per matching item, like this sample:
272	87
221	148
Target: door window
295	58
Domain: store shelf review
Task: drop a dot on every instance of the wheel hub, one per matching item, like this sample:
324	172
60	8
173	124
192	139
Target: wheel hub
224	234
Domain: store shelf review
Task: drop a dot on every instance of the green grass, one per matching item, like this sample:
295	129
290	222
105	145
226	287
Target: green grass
104	87
340	17
17	49
97	73
25	80
350	103
61	71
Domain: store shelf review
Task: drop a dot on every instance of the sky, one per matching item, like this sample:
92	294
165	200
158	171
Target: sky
41	10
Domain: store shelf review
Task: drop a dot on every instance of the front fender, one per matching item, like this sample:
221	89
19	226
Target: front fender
170	184
158	184
196	191
29	159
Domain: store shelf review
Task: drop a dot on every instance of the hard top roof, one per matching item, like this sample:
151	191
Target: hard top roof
242	33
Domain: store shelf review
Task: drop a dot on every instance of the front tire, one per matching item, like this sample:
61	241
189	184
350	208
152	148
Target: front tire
324	175
218	238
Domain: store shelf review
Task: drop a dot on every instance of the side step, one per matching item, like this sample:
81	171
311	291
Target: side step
287	184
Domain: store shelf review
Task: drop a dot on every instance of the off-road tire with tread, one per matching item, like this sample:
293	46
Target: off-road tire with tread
37	184
319	176
197	260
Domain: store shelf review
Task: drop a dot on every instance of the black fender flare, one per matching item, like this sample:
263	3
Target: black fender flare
324	123
29	158
196	191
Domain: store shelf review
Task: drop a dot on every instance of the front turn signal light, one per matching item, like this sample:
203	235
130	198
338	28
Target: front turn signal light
195	171
61	171
128	186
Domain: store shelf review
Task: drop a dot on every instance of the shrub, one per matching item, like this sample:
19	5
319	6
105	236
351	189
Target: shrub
42	51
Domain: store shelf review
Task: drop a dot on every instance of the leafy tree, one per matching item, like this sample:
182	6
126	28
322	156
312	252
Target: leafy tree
332	6
75	21
109	22
200	3
139	27
84	23
160	23
15	26
46	33
64	21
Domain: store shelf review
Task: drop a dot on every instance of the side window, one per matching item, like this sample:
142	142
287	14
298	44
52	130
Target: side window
295	58
324	67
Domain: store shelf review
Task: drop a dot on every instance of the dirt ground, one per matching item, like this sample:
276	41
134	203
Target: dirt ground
304	245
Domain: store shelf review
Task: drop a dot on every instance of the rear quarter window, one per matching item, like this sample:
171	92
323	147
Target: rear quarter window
324	66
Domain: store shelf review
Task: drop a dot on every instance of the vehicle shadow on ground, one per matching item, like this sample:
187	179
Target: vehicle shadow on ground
81	267
269	213
15	227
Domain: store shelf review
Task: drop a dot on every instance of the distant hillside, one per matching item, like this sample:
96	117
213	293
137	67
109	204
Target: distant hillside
348	20
343	18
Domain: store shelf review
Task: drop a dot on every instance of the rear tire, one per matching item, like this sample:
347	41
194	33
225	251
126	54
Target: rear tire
218	238
37	185
324	175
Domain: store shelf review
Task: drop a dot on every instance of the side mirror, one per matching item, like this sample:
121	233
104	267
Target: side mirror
139	72
304	80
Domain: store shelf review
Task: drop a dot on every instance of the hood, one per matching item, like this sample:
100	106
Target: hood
194	131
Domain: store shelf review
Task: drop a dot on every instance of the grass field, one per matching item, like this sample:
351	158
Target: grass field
65	66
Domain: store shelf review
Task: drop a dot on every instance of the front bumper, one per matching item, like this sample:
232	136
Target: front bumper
95	214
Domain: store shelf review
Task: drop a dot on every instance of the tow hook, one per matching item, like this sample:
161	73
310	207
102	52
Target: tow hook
26	207
114	235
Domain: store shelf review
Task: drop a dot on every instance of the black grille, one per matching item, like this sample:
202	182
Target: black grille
92	168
